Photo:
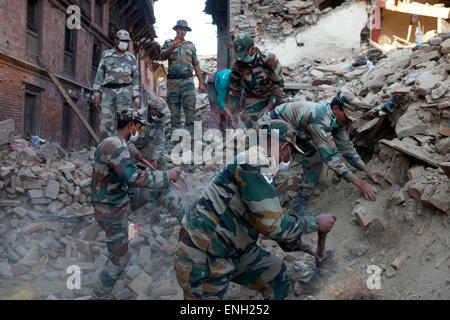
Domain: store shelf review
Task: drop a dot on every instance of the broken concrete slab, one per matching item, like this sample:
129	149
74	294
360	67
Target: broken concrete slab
427	82
35	194
52	190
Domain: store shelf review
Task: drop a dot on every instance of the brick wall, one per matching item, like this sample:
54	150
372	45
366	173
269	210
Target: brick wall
14	74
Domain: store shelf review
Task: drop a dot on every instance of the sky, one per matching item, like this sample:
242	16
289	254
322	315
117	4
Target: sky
203	34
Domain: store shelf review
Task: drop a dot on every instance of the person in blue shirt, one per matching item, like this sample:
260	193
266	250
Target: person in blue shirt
219	100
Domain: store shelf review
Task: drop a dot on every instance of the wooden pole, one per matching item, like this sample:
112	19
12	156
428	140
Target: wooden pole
70	101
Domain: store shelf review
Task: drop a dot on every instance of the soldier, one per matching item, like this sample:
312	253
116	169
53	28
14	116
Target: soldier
118	186
323	132
182	57
259	75
219	233
117	79
151	143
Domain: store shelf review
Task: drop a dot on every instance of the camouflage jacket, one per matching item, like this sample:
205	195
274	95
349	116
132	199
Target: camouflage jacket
239	204
182	59
114	173
316	123
115	69
263	78
154	136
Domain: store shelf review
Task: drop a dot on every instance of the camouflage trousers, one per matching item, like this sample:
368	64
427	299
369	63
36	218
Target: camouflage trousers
112	102
202	276
114	221
250	114
181	94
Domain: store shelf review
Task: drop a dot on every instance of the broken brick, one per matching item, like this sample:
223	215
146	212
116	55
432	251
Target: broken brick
140	283
362	216
398	262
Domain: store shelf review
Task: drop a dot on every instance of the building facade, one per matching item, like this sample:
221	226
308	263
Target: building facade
36	30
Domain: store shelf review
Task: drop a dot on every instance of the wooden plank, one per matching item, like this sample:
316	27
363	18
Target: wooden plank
70	101
296	86
417	8
409	153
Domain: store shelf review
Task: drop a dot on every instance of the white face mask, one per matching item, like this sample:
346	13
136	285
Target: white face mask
134	137
123	45
155	118
284	165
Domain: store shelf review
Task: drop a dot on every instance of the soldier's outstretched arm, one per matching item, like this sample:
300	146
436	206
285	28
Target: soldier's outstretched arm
346	148
135	84
124	167
99	77
265	212
323	140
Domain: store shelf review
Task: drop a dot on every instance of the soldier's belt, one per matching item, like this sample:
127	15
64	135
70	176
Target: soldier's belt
185	76
116	85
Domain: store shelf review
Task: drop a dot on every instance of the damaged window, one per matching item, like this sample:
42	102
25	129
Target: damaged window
99	12
31	111
67	122
33	37
70	51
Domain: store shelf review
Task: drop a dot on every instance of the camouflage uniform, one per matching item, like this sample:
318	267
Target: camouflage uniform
180	85
261	80
219	233
118	79
321	139
118	186
151	143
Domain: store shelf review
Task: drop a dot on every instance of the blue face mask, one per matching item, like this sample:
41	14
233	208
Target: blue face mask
334	123
248	59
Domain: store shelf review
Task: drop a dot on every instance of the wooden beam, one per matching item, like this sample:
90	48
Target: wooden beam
418	8
70	101
409	153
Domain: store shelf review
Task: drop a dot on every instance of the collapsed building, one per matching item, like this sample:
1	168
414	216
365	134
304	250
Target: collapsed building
46	223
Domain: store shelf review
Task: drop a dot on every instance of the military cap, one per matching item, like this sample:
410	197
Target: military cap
132	114
285	132
182	24
350	103
157	103
123	35
242	42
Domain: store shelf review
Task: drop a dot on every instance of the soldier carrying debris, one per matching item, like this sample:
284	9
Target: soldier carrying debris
259	75
118	185
117	80
151	143
323	132
219	233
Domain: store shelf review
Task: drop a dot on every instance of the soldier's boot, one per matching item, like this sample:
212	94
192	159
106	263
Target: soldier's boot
300	205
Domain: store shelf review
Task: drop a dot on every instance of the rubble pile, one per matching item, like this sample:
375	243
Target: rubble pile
405	101
271	19
47	225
